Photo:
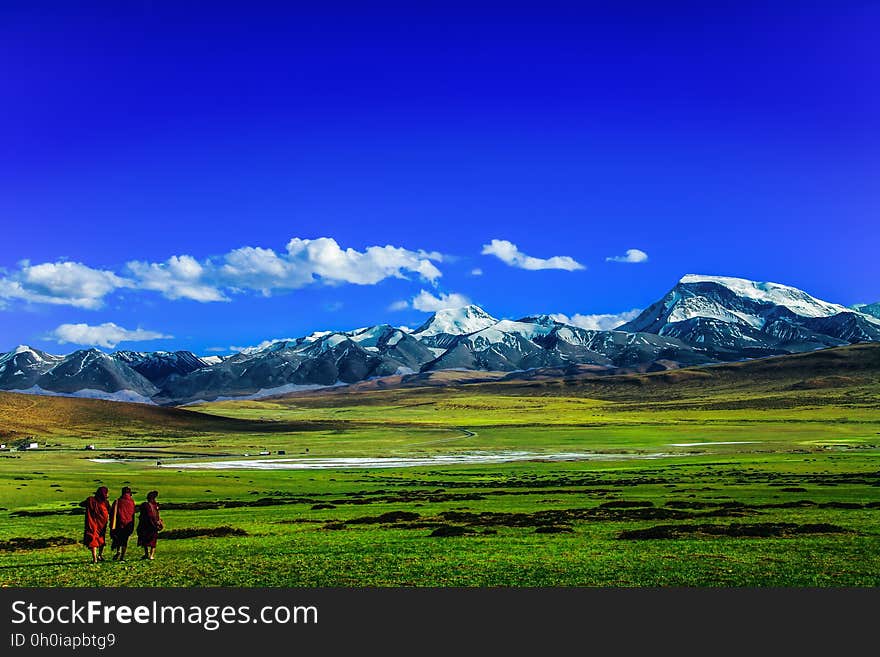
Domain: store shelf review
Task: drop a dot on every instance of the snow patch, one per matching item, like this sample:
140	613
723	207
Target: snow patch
89	393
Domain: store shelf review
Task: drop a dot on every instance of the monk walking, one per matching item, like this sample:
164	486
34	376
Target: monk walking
149	525
121	523
97	515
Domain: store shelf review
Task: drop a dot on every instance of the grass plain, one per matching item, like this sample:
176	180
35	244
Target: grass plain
767	475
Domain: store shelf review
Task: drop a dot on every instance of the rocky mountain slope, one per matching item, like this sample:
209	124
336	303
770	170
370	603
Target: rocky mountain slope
701	320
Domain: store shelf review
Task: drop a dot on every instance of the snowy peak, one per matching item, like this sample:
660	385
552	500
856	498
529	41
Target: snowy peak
731	300
30	355
771	294
456	321
21	367
726	316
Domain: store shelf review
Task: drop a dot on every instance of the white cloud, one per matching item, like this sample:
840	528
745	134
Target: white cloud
263	270
476	272
260	269
304	262
598	322
323	257
179	277
61	283
632	256
427	302
509	253
104	335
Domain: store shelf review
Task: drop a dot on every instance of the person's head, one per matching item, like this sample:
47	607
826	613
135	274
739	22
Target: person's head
101	493
152	495
126	491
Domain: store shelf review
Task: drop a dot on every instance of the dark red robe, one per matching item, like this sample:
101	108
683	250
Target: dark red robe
97	515
148	524
122	520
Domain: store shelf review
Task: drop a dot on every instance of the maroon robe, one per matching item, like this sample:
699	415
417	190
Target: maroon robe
148	524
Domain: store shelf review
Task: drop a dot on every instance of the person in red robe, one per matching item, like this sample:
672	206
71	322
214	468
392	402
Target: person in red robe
149	525
97	515
121	523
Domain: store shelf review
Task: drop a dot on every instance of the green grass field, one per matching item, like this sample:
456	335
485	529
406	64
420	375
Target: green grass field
762	474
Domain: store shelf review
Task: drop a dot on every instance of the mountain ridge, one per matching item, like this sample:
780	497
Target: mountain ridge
700	321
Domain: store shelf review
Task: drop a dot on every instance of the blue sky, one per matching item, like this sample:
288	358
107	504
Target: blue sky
172	171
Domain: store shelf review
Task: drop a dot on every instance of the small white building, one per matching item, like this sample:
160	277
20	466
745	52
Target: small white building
31	446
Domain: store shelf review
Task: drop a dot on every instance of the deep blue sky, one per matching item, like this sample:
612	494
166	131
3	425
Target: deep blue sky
741	141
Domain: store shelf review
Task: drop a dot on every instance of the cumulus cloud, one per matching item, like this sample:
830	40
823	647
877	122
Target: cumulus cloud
263	270
179	277
427	302
324	258
248	268
61	283
510	254
259	269
104	335
631	256
605	322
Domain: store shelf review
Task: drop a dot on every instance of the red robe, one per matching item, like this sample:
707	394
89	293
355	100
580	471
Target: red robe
122	520
97	515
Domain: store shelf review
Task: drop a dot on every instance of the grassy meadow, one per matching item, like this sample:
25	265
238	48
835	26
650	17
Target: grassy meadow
765	473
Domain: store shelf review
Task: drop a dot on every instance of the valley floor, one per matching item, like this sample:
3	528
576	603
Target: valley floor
779	487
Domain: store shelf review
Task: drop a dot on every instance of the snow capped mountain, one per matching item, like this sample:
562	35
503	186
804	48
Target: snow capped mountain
157	366
443	325
724	316
540	341
21	367
768	294
324	358
96	372
731	300
702	319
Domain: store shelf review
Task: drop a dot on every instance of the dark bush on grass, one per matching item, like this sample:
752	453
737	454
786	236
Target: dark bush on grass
450	530
385	518
197	532
24	543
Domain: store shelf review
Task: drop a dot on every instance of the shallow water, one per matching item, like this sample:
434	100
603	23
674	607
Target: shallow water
317	463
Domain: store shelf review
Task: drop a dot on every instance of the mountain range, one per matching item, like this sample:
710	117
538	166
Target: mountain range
701	320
